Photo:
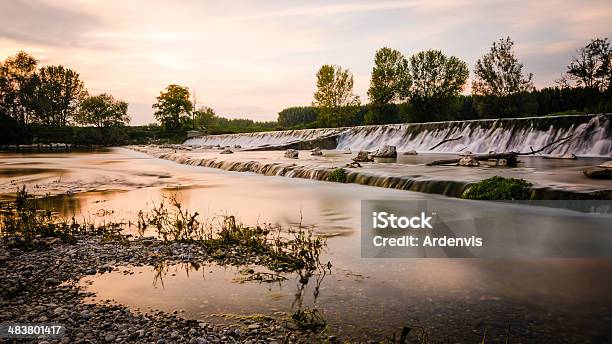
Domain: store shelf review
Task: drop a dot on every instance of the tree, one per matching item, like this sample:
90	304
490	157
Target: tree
16	86
437	80
103	111
173	106
297	115
205	116
592	68
334	96
499	73
500	88
390	83
58	91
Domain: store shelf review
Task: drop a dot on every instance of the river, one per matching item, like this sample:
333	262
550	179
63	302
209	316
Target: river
539	299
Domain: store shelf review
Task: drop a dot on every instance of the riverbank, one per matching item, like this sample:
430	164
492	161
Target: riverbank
43	287
553	180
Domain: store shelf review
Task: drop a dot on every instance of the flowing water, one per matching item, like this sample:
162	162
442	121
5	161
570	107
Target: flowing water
363	298
592	136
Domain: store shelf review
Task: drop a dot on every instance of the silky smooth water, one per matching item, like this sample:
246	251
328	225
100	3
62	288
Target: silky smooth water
363	298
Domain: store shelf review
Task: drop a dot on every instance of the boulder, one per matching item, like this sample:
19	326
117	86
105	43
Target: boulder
226	151
316	151
363	156
385	152
598	172
567	156
237	146
411	152
291	154
468	161
607	164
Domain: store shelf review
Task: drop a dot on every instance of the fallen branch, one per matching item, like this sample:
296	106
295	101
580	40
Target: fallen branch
445	141
510	157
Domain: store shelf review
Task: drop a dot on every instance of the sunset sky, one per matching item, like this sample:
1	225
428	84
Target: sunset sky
251	59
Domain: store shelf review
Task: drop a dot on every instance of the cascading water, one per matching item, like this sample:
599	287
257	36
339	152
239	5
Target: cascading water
268	138
591	136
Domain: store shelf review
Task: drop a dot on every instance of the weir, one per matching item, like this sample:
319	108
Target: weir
592	136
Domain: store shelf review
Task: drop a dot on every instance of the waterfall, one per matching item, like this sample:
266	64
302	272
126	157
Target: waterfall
592	136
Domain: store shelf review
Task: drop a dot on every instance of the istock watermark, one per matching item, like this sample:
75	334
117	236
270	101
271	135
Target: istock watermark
453	228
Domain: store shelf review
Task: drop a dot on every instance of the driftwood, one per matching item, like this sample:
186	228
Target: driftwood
510	157
445	141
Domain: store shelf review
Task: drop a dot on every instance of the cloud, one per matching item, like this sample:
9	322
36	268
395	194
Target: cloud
38	22
253	58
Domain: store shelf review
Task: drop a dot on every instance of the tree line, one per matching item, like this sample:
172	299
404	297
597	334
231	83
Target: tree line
427	87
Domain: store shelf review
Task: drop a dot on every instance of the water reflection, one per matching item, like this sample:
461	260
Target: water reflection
249	274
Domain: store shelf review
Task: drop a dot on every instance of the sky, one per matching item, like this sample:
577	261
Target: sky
251	59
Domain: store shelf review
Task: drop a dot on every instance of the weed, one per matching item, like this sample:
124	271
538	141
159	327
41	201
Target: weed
338	175
498	188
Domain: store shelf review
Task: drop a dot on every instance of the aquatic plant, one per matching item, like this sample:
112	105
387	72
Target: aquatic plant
309	320
230	241
23	224
498	188
338	175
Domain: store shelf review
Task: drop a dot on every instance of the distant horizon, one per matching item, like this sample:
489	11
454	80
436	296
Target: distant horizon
251	60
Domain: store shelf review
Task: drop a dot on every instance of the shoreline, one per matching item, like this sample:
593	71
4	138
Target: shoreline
43	286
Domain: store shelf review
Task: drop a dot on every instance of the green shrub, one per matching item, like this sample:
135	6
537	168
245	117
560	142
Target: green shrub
338	175
498	188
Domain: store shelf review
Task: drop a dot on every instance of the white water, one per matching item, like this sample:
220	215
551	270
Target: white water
592	136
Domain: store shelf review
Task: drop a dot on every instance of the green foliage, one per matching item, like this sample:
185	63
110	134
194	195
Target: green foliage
499	73
205	117
592	68
58	91
436	76
299	250
297	115
390	83
334	97
17	73
102	111
338	175
173	107
498	188
25	225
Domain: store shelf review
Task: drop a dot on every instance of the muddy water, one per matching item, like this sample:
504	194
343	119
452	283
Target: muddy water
364	298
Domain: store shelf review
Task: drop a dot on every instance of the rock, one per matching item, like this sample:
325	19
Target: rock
468	161
237	146
568	156
348	151
254	326
316	151
353	164
91	272
598	172
363	156
227	151
58	311
291	154
201	340
411	152
291	325
385	152
109	338
53	281
607	164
